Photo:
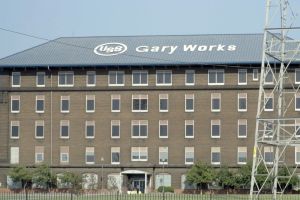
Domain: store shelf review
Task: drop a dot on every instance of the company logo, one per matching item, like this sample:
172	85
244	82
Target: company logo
110	49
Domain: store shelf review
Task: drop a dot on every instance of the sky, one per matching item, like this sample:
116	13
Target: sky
51	19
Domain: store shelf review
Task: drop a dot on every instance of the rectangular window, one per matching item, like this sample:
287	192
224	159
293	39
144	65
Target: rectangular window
16	79
242	76
189	103
268	129
163	128
163	102
65	104
139	103
40	79
189	128
242	128
90	129
64	155
115	103
268	155
139	153
139	78
163	155
66	79
297	102
14	155
39	103
297	76
116	78
189	77
215	128
242	155
89	155
115	155
189	155
242	102
297	128
215	102
115	128
90	103
163	77
90	78
64	129
39	154
215	77
269	79
297	155
255	74
14	129
139	128
15	104
268	102
215	155
39	129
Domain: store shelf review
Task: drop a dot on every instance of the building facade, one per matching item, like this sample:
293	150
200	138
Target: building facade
132	112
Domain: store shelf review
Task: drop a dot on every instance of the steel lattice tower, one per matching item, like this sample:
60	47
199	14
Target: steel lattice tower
277	124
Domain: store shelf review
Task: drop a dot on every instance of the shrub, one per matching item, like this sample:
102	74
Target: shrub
166	189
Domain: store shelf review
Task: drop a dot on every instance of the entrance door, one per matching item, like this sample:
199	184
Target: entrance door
139	185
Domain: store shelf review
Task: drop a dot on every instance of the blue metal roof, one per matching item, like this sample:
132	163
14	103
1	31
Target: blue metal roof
141	50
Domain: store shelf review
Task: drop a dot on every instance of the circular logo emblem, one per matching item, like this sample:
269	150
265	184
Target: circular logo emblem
110	49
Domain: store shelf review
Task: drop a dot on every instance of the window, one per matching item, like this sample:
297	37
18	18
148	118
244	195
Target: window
215	128
189	155
215	155
90	78
115	128
297	128
297	76
164	77
268	102
116	78
255	74
215	77
242	128
16	79
297	155
39	129
163	103
64	155
65	104
14	155
15	104
39	103
189	77
186	185
14	129
268	155
189	128
115	103
242	76
163	179
90	129
89	181
268	129
66	79
215	102
64	129
163	155
163	128
269	79
189	103
139	128
90	103
39	154
40	79
297	102
139	78
115	155
89	155
139	103
242	155
139	153
242	102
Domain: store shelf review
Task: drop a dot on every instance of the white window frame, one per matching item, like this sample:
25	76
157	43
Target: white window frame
241	150
15	98
186	151
267	96
113	97
90	150
37	79
139	97
297	71
242	122
164	96
39	98
42	153
67	122
215	96
90	123
140	72
12	79
242	71
164	71
93	73
139	123
297	96
216	71
39	123
265	128
265	76
166	123
116	74
297	123
66	72
139	152
14	123
242	96
215	122
61	153
115	123
186	75
163	150
189	96
69	104
255	75
16	158
189	122
215	150
113	150
297	150
90	97
268	149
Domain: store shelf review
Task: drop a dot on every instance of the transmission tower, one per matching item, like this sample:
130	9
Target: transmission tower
277	132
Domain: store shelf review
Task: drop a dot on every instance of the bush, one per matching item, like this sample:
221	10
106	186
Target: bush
166	189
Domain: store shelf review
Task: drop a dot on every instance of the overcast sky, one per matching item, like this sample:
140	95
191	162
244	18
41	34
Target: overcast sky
59	18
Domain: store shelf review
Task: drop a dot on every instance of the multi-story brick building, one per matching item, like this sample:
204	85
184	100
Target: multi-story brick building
137	110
